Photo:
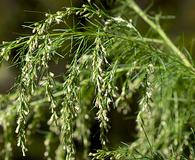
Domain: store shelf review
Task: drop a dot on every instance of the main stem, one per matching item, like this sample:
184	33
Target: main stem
159	30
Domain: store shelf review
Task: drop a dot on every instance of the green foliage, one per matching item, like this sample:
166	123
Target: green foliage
108	61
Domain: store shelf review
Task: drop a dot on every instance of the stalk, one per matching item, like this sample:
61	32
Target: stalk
160	31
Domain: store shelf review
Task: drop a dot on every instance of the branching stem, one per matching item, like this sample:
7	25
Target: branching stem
160	31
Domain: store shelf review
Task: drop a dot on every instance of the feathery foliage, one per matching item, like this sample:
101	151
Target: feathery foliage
108	60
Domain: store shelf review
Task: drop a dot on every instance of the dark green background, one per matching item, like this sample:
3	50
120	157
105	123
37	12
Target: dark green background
15	13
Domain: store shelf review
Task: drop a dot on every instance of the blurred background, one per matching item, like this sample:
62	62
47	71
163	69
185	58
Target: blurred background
15	13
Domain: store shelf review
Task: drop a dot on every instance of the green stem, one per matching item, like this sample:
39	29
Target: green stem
159	30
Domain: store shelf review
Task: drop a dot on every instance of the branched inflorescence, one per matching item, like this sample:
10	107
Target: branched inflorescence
107	62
